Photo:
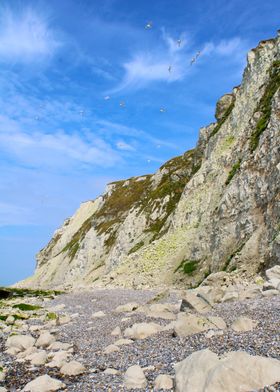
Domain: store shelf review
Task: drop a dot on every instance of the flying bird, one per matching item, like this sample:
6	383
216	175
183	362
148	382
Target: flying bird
122	104
198	54
169	68
149	25
107	97
193	60
82	112
179	41
148	160
162	110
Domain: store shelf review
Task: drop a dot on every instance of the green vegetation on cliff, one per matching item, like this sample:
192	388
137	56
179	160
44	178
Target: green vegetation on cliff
265	105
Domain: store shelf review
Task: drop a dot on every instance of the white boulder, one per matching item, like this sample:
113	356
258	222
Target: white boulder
135	378
43	384
235	372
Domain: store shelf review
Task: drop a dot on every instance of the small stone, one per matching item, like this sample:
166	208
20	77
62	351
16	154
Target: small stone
37	359
135	378
72	368
45	340
129	307
116	332
164	382
98	314
110	349
243	324
111	371
122	342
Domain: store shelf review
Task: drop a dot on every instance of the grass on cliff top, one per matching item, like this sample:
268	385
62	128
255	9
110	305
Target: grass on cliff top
139	192
265	104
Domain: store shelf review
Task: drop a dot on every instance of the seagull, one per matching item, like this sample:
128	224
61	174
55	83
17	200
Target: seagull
162	110
37	118
198	54
179	41
193	60
122	104
107	97
149	25
148	160
169	68
82	112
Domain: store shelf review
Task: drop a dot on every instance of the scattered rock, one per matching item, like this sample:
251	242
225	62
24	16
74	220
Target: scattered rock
142	330
98	314
37	359
129	307
72	368
44	384
135	378
122	342
110	349
164	382
270	293
20	342
188	324
111	371
56	346
45	339
58	359
116	332
243	324
193	301
273	273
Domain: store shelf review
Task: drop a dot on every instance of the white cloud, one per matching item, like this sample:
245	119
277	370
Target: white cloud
121	145
25	36
147	67
57	150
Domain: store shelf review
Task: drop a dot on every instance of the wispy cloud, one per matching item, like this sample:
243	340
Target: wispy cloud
25	36
57	149
172	62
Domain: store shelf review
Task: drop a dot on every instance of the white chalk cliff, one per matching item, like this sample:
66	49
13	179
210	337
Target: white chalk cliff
217	207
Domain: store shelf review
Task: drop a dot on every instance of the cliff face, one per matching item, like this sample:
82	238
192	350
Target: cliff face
216	207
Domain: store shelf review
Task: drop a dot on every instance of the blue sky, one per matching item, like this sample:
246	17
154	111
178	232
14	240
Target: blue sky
82	85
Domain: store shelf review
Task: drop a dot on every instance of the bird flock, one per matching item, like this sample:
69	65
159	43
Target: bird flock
122	104
149	26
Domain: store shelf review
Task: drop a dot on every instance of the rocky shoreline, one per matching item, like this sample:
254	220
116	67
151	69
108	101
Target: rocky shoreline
122	339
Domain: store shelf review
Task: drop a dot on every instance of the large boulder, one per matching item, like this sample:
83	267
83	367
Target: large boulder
195	301
235	372
142	330
43	384
189	324
135	378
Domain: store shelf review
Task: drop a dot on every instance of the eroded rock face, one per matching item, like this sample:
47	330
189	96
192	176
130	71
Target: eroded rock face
212	209
235	372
